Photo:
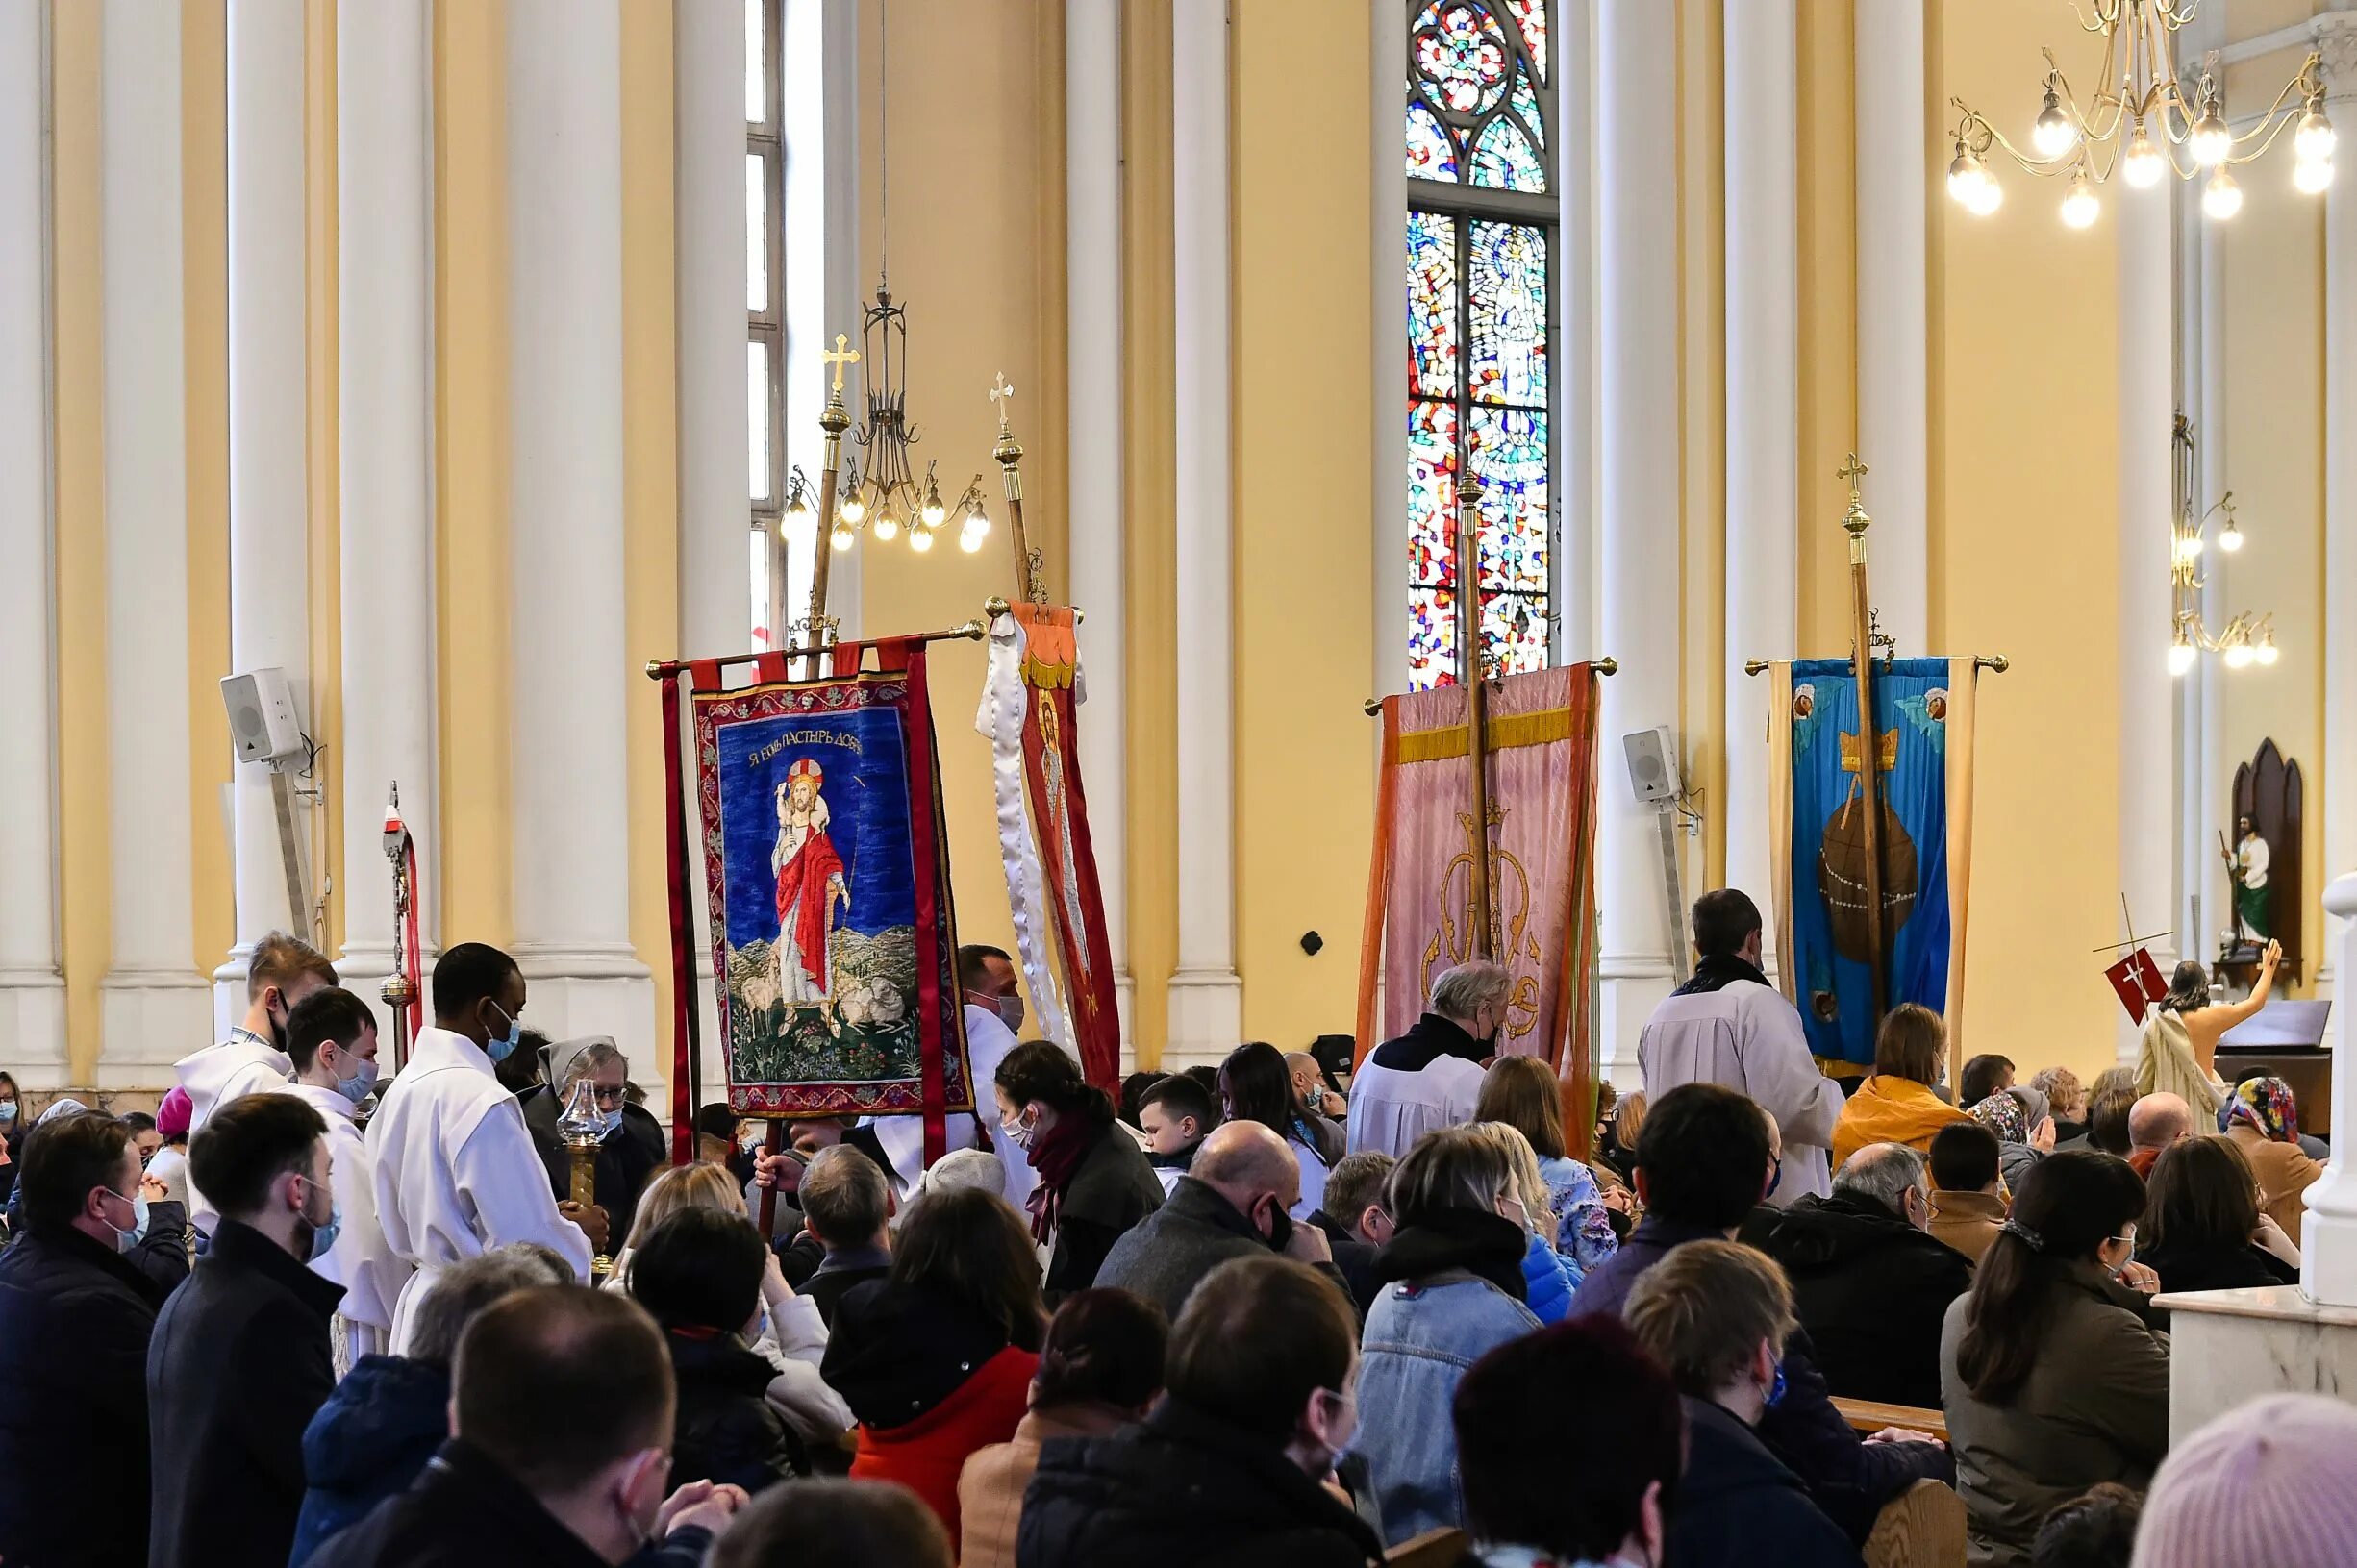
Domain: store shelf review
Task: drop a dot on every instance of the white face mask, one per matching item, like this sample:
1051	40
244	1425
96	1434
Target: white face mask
1010	1011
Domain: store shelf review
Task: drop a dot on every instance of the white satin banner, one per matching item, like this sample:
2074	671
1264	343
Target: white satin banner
1005	701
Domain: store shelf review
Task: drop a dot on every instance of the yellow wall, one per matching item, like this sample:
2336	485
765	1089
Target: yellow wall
1827	169
2024	500
204	119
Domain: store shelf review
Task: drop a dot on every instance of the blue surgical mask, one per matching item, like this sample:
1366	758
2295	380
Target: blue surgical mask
1775	1389
361	1084
607	1122
323	1236
8	1111
125	1240
500	1049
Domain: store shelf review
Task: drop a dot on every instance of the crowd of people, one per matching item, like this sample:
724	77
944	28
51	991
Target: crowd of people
1232	1315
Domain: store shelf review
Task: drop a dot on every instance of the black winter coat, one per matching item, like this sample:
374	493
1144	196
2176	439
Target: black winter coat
626	1162
725	1429
369	1442
1738	1503
1179	1490
1114	1188
1872	1291
239	1365
75	1321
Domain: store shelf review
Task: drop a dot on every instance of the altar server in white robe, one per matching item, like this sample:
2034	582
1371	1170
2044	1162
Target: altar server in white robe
331	1038
456	1172
281	973
993	1011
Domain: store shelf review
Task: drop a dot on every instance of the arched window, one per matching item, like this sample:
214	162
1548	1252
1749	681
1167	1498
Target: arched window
1482	216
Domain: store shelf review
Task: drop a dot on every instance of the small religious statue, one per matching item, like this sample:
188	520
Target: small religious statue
2246	867
810	885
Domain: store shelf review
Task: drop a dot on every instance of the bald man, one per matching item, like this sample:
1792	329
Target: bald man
1230	1203
2154	1123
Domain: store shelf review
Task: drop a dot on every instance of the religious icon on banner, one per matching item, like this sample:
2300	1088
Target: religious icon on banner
828	906
2136	980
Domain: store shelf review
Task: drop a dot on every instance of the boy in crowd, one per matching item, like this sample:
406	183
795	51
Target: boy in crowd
1174	1114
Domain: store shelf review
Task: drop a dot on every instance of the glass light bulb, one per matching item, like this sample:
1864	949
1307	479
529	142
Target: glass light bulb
2211	142
2220	198
1965	174
2080	207
2267	654
2188	546
969	539
797	508
2141	165
935	512
2231	540
2054	135
840	537
1986	197
887	526
2240	656
2180	656
2311	176
920	539
2314	140
853	510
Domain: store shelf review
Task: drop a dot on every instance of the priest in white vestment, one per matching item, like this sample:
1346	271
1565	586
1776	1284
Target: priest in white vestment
993	1010
456	1172
282	971
332	1040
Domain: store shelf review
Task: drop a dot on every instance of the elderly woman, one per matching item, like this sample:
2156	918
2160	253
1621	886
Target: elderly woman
2024	1129
2261	1119
631	1144
1895	1104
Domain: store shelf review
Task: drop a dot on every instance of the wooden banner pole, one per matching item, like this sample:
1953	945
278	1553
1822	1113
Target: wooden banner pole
1469	675
1869	744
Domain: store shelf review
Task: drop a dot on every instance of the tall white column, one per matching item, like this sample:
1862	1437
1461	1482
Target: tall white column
2147	781
1762	422
1637	331
1093	245
1206	997
2328	1256
2337	42
269	581
710	269
1387	338
32	995
1894	367
156	1007
572	673
385	393
822	82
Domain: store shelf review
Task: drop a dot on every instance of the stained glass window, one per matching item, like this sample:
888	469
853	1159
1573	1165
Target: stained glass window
1481	313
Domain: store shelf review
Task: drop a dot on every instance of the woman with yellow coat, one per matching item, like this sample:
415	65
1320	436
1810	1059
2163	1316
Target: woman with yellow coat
1895	1103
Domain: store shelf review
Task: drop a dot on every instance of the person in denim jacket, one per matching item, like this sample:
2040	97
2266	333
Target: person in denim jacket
1452	1290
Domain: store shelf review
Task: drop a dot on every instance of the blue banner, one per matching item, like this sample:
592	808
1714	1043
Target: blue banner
1832	983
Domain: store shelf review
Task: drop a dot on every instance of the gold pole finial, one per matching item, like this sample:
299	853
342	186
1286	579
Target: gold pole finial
1000	392
1849	473
839	355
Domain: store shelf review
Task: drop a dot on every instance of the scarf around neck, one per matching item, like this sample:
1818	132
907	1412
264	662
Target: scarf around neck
1717	971
1057	1155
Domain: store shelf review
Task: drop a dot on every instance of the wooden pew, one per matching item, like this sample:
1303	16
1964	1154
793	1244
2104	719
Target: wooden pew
1866	1415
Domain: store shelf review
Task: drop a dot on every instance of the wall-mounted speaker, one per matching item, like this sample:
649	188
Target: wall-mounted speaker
262	716
1653	763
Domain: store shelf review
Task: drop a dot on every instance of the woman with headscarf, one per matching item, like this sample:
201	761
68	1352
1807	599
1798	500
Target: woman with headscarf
2024	1129
2179	1050
2261	1118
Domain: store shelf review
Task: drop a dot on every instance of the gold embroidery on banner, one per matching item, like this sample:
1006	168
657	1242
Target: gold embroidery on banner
1453	939
1540	727
1888	746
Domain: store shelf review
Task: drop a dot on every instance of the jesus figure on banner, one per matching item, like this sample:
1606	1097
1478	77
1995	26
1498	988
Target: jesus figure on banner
810	883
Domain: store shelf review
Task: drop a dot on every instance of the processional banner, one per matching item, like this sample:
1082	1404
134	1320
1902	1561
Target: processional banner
1029	703
827	873
1923	722
1540	846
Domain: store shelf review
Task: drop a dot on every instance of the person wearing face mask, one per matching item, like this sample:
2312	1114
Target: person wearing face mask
241	1358
1729	1025
456	1172
993	1011
1232	1202
1430	1076
76	1316
1453	1290
332	1040
1716	1315
281	972
12	1135
1094	1181
1233	1464
631	1145
561	1419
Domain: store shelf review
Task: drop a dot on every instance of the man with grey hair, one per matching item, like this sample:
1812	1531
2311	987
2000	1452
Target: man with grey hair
1430	1076
1870	1283
631	1145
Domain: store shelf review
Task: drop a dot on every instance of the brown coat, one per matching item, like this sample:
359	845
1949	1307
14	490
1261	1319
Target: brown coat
990	1488
1967	1221
2284	1171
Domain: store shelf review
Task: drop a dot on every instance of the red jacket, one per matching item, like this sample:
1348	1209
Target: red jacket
927	1454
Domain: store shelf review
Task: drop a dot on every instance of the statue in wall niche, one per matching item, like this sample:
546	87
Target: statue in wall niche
2246	869
2263	867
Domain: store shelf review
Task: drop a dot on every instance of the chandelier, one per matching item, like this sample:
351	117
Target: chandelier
2141	116
2247	639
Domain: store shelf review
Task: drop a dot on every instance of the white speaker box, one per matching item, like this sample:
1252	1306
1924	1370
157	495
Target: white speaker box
1653	763
261	716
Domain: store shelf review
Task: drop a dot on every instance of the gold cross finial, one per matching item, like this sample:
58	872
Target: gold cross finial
1856	521
840	356
1851	472
1000	391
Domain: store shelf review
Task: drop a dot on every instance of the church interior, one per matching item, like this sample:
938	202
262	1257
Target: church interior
1907	450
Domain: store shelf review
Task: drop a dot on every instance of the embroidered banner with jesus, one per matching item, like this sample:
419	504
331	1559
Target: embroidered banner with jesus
832	932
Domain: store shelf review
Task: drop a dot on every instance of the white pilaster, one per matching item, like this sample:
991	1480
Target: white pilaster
1387	397
2147	781
269	581
2329	1257
155	1006
1093	244
32	995
708	62
822	82
1762	422
2338	43
1574	47
384	327
572	673
1894	367
1637	331
1206	997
